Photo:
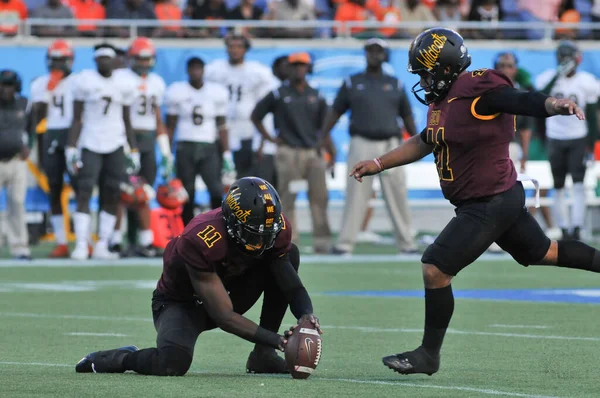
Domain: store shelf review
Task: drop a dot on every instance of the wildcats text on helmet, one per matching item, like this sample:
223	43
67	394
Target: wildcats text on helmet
430	55
232	201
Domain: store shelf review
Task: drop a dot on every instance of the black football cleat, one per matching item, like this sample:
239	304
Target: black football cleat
266	361
147	251
109	361
417	361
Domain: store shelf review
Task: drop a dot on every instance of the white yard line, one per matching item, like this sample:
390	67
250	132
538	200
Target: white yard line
486	391
364	329
157	262
96	334
500	325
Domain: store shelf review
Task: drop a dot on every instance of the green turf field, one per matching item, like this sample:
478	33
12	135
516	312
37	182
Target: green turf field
53	316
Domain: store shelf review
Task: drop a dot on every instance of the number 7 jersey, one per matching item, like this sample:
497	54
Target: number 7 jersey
471	150
103	98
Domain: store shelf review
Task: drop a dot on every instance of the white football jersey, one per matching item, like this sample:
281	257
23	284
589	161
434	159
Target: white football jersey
149	92
583	88
269	148
197	110
59	100
247	84
103	129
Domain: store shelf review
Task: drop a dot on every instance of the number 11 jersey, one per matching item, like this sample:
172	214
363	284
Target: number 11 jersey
471	150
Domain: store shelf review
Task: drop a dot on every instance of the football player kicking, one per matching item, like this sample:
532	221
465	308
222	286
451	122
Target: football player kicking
470	124
212	274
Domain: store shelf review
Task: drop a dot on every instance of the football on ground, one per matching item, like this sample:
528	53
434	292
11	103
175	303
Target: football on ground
303	350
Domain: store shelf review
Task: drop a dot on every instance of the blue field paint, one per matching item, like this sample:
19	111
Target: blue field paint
584	296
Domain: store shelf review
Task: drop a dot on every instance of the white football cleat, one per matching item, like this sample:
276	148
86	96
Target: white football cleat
101	252
81	252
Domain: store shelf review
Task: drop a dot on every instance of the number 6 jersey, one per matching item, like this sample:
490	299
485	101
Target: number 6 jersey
103	98
197	110
471	150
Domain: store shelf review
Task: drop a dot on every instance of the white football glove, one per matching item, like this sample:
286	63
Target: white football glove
229	173
135	163
73	160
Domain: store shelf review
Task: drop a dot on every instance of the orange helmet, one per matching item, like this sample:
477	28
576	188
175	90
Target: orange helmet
171	195
136	192
60	56
142	54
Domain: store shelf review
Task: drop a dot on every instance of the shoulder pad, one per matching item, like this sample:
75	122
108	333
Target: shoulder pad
476	83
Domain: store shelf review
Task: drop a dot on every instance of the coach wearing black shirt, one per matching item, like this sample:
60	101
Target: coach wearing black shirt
375	101
14	150
299	111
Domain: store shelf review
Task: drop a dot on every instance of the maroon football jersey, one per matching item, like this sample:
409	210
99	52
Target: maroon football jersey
206	246
471	150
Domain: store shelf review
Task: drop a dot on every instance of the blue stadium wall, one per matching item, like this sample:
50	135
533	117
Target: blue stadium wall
332	65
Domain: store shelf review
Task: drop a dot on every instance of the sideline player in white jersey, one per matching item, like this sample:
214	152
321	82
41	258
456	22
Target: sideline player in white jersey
94	154
264	151
197	108
146	122
570	141
248	82
52	99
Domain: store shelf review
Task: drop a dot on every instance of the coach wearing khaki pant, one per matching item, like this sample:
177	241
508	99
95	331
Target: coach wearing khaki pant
13	169
375	101
299	111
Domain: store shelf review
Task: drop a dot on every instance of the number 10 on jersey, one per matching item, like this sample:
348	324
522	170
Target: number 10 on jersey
441	152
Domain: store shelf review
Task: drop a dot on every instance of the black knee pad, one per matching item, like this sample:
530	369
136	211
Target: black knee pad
174	361
534	254
295	256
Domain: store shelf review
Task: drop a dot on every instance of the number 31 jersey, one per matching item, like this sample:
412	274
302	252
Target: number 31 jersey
59	100
103	98
197	110
471	150
149	93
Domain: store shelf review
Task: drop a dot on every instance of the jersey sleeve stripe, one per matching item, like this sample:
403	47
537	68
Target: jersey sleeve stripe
481	117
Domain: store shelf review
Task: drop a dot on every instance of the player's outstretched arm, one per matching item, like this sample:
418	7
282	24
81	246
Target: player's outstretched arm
210	289
409	151
527	103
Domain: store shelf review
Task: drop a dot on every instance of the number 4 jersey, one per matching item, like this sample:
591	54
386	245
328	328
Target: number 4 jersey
59	100
197	110
103	98
149	93
471	150
205	246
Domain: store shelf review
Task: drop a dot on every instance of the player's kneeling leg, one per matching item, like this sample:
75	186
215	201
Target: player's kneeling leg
164	361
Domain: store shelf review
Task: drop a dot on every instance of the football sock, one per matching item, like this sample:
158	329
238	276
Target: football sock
107	226
132	227
146	237
560	209
439	306
578	255
578	209
273	310
167	361
116	238
81	223
58	227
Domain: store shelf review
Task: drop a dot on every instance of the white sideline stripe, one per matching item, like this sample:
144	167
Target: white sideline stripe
366	329
305	259
356	381
501	325
61	365
96	334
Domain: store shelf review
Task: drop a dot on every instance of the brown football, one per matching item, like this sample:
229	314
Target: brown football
303	350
